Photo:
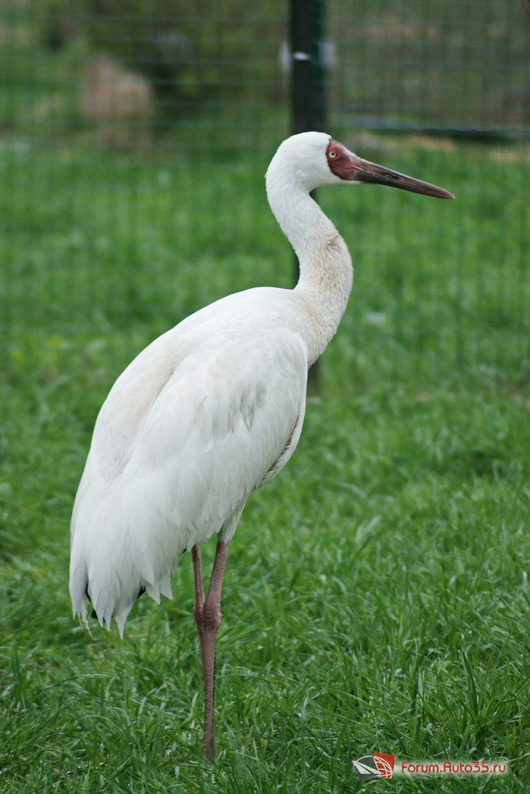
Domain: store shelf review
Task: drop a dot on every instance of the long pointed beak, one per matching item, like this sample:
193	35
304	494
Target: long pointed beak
365	171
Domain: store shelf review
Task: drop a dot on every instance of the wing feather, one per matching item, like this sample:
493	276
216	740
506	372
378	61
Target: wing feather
193	425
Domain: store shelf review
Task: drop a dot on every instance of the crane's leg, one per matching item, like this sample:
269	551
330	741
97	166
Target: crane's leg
207	614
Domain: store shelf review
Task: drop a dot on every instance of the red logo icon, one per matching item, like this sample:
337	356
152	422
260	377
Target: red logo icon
376	765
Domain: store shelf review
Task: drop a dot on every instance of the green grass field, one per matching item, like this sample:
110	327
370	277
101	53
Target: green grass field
376	594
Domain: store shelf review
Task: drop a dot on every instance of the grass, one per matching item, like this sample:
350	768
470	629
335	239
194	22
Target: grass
376	594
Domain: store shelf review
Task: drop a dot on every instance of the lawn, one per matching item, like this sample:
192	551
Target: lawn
376	593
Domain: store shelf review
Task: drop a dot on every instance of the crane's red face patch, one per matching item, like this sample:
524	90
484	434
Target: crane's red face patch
339	160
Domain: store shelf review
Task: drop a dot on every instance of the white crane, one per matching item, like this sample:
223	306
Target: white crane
212	409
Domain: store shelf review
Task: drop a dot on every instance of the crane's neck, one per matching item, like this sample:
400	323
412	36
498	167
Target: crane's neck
326	272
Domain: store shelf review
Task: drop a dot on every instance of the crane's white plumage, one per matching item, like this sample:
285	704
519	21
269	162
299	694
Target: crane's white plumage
196	422
214	407
207	412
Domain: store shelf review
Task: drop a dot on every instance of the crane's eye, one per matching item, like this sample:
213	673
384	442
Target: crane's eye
332	153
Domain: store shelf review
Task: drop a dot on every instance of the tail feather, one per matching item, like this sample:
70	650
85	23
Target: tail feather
114	600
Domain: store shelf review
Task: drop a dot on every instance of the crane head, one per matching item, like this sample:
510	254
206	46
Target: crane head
312	159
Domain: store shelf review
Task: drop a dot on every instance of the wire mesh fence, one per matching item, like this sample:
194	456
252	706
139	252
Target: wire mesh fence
134	137
458	67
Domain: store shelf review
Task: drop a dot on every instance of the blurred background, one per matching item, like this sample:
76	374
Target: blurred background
134	137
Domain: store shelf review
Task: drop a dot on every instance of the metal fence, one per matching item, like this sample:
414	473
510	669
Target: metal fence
102	98
456	67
